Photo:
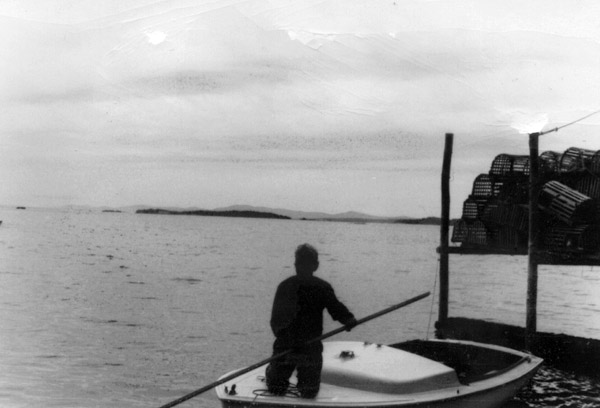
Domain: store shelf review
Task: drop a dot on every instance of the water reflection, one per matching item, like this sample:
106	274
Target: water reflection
555	388
134	311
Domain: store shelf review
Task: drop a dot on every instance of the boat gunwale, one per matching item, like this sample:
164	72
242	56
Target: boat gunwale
496	373
524	356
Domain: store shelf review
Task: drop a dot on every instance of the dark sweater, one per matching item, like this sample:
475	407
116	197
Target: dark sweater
297	314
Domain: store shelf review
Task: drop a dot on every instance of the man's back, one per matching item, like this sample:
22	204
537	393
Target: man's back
303	299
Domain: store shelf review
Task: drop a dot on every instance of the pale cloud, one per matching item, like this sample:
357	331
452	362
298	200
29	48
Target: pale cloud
156	37
310	98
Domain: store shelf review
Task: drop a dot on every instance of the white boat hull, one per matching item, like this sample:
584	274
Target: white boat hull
384	377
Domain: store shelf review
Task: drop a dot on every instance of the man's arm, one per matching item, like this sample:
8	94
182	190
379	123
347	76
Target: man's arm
338	311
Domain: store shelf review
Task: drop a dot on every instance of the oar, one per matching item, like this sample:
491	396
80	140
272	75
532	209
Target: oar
283	353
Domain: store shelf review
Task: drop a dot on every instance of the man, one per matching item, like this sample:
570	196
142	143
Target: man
297	317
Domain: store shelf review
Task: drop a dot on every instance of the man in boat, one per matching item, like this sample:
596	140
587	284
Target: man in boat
297	316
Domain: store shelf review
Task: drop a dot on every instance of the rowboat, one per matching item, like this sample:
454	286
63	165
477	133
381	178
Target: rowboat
418	373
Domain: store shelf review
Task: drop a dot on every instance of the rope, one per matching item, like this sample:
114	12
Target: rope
291	390
437	272
556	129
502	133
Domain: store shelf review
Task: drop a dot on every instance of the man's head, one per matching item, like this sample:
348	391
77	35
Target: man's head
307	259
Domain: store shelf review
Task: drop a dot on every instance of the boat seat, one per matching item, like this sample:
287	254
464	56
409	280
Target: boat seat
383	369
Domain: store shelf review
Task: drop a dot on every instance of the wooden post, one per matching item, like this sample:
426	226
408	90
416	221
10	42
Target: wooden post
445	226
532	269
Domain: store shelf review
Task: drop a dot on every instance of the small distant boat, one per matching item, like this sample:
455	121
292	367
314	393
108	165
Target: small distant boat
418	373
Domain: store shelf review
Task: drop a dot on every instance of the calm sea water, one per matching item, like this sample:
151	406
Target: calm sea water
125	310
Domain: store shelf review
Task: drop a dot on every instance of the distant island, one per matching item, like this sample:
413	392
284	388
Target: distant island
422	221
215	213
255	212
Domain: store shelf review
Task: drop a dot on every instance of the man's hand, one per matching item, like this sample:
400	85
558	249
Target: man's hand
350	324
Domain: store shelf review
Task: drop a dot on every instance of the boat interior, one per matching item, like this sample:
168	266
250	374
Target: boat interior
471	363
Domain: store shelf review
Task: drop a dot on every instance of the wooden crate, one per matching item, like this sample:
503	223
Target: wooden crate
550	162
515	190
517	217
508	238
508	165
460	231
498	214
486	186
492	213
477	234
470	233
565	203
576	159
473	207
582	238
589	185
595	164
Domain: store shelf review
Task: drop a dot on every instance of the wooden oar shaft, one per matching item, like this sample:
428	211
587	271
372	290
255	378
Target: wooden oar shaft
224	380
369	317
283	353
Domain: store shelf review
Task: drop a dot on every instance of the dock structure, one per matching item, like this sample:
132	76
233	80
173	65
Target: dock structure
521	197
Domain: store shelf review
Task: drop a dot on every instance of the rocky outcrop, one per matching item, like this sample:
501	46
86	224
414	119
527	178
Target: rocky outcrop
211	213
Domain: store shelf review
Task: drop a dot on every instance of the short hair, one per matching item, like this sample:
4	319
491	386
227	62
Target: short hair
306	254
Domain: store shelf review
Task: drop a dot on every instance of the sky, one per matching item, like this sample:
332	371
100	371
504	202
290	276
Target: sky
306	105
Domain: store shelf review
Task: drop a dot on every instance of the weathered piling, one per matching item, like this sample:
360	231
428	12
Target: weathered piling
445	227
532	266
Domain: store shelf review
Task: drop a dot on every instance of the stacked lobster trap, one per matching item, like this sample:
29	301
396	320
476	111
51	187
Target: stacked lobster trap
496	214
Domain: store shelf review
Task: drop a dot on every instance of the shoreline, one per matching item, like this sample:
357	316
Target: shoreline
273	215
